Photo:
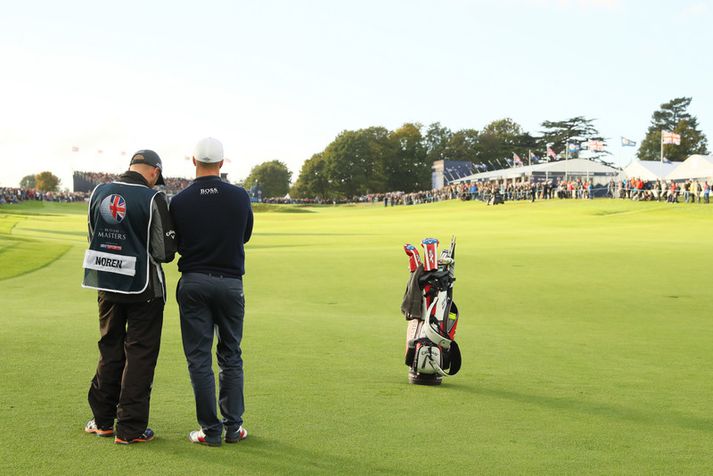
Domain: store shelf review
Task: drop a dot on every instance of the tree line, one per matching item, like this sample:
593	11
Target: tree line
375	159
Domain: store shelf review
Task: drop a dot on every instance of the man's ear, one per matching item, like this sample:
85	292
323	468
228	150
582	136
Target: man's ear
220	164
194	161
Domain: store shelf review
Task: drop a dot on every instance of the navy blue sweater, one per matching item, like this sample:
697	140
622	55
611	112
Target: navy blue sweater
213	220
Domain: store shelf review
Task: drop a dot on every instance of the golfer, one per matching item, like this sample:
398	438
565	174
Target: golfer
130	234
213	221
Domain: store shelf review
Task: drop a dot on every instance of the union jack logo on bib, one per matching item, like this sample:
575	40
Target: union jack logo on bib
113	209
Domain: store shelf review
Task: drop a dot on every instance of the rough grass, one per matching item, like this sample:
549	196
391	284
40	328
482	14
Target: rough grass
584	329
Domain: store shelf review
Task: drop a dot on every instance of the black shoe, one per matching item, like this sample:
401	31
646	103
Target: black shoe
233	436
147	435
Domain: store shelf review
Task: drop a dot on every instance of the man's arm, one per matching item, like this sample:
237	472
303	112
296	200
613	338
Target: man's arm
248	224
163	235
90	215
90	227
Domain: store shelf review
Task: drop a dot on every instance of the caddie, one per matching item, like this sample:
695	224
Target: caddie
130	235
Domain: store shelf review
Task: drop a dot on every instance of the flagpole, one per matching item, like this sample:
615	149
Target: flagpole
566	160
662	146
529	157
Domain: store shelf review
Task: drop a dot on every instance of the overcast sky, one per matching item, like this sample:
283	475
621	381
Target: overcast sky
280	79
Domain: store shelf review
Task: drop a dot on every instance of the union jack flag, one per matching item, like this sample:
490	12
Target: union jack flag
117	207
551	153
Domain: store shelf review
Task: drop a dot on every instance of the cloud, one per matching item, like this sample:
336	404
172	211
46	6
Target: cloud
577	4
695	9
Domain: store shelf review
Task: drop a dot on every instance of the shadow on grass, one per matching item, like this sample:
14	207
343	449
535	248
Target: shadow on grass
604	410
271	456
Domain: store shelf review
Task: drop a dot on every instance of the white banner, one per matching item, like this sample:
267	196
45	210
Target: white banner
110	263
670	138
596	145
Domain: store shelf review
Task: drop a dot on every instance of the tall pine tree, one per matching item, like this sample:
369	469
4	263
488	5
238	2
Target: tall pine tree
673	116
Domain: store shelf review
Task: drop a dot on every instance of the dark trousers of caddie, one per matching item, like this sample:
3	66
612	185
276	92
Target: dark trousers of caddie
128	348
212	304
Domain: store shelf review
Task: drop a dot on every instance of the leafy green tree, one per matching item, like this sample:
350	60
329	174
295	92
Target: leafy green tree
463	145
407	168
498	140
312	181
28	181
273	177
526	144
576	130
436	140
673	116
356	161
46	182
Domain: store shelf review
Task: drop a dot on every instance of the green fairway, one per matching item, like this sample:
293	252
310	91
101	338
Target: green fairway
586	335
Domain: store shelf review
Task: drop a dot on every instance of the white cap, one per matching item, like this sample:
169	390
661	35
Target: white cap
208	151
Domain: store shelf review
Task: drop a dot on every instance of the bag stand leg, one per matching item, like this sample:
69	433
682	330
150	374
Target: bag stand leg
415	378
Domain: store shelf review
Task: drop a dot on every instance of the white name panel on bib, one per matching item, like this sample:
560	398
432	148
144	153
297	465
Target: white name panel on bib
110	263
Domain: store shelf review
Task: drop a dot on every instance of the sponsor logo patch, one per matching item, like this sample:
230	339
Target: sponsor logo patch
113	209
209	191
111	235
110	247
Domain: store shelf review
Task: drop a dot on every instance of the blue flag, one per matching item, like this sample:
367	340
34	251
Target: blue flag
627	142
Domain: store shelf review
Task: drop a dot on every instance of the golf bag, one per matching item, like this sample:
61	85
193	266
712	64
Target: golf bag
431	351
496	199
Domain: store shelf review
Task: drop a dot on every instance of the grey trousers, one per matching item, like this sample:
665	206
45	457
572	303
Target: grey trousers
209	305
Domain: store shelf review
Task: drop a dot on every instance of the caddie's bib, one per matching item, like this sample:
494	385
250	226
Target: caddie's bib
118	256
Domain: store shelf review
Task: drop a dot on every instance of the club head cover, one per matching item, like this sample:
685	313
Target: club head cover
430	254
414	258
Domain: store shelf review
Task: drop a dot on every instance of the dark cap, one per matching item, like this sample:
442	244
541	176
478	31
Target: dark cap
149	157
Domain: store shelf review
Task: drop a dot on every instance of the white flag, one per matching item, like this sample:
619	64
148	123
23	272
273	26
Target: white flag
596	145
670	138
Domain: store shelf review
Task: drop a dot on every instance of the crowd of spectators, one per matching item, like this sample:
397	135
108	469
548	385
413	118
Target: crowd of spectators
300	201
499	191
89	180
491	192
16	195
689	191
487	191
449	192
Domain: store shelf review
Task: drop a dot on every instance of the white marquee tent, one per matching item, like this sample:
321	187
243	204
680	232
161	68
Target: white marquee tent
649	169
561	168
694	167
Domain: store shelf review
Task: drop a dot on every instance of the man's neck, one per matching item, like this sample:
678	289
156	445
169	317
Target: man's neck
206	173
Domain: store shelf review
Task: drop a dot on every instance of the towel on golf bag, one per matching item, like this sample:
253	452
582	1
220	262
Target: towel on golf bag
411	306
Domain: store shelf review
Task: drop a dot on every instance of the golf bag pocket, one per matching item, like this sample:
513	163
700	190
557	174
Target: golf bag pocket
428	360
